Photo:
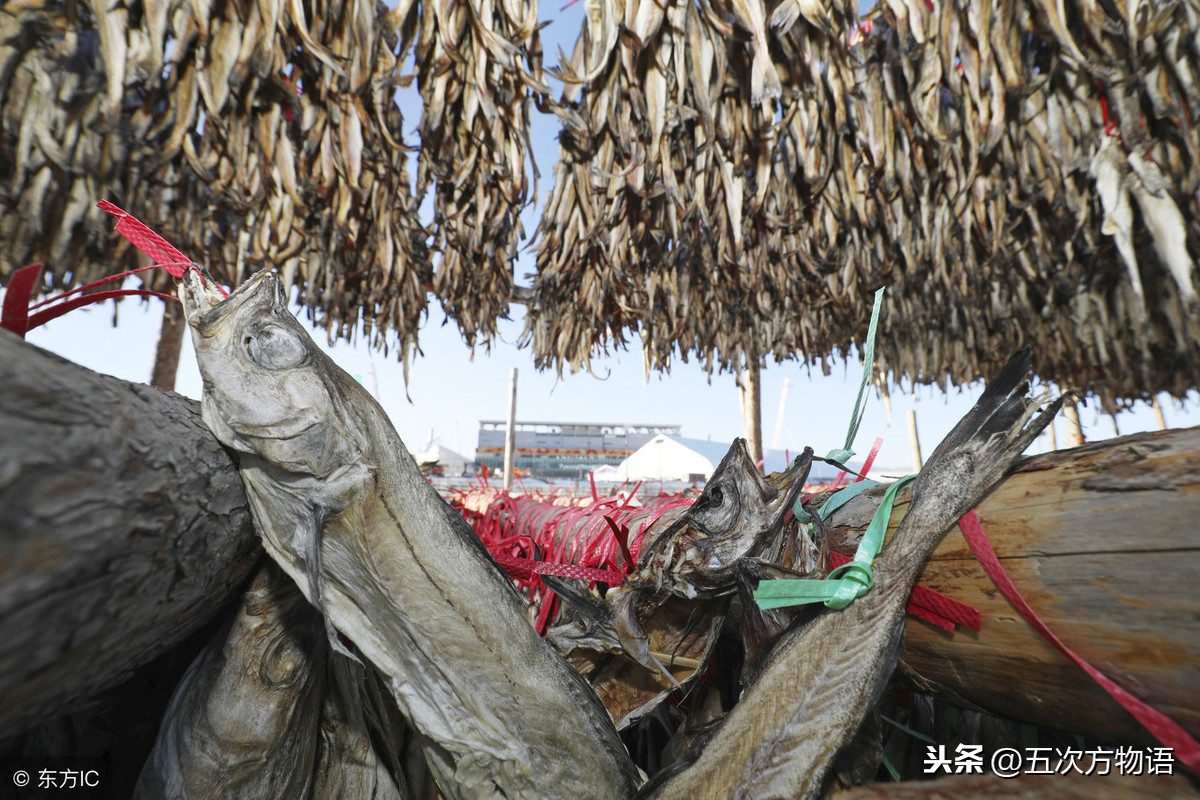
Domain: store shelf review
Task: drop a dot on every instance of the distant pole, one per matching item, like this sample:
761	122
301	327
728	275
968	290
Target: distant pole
752	410
777	439
510	431
1053	437
914	444
1073	435
1158	412
881	382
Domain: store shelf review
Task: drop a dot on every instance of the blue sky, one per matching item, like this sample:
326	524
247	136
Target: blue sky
451	391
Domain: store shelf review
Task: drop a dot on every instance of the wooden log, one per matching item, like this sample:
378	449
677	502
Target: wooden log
1100	541
125	528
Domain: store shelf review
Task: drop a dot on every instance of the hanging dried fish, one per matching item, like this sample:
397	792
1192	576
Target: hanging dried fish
971	156
251	135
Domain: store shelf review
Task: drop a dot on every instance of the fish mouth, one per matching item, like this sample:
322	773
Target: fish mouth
204	307
789	483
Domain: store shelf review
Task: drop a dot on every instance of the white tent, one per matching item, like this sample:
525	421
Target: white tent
675	458
672	458
607	473
452	463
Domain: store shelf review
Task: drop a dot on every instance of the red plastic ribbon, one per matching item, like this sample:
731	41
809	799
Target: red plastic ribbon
870	459
159	250
866	467
14	316
1165	729
520	567
931	606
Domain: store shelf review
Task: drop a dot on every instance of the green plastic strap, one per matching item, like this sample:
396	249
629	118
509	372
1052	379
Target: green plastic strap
843	584
844	454
843	496
860	407
835	500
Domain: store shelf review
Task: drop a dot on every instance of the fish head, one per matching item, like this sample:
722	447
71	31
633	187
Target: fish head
269	390
740	514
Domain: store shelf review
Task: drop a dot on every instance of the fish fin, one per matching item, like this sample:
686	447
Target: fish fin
985	444
589	608
998	408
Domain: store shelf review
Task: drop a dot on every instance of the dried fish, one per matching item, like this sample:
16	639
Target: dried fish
942	149
939	150
824	677
243	721
342	507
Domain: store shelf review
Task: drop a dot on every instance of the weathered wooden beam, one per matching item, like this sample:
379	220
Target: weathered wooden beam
1101	541
123	528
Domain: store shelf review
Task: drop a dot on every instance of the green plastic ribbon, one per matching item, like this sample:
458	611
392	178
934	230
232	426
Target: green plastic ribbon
860	407
846	452
848	581
855	578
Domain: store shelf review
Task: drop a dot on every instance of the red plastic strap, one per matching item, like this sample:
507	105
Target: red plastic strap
621	533
518	567
862	473
140	236
1165	729
87	287
929	605
870	459
943	607
14	316
54	312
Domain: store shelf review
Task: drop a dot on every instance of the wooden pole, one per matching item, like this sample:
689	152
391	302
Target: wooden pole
752	410
170	344
914	443
1158	412
510	430
881	382
1073	436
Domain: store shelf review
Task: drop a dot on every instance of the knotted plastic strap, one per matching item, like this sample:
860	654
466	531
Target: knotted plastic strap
160	251
933	607
846	582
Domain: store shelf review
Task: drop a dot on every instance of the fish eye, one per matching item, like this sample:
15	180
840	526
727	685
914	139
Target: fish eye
275	347
717	507
715	497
